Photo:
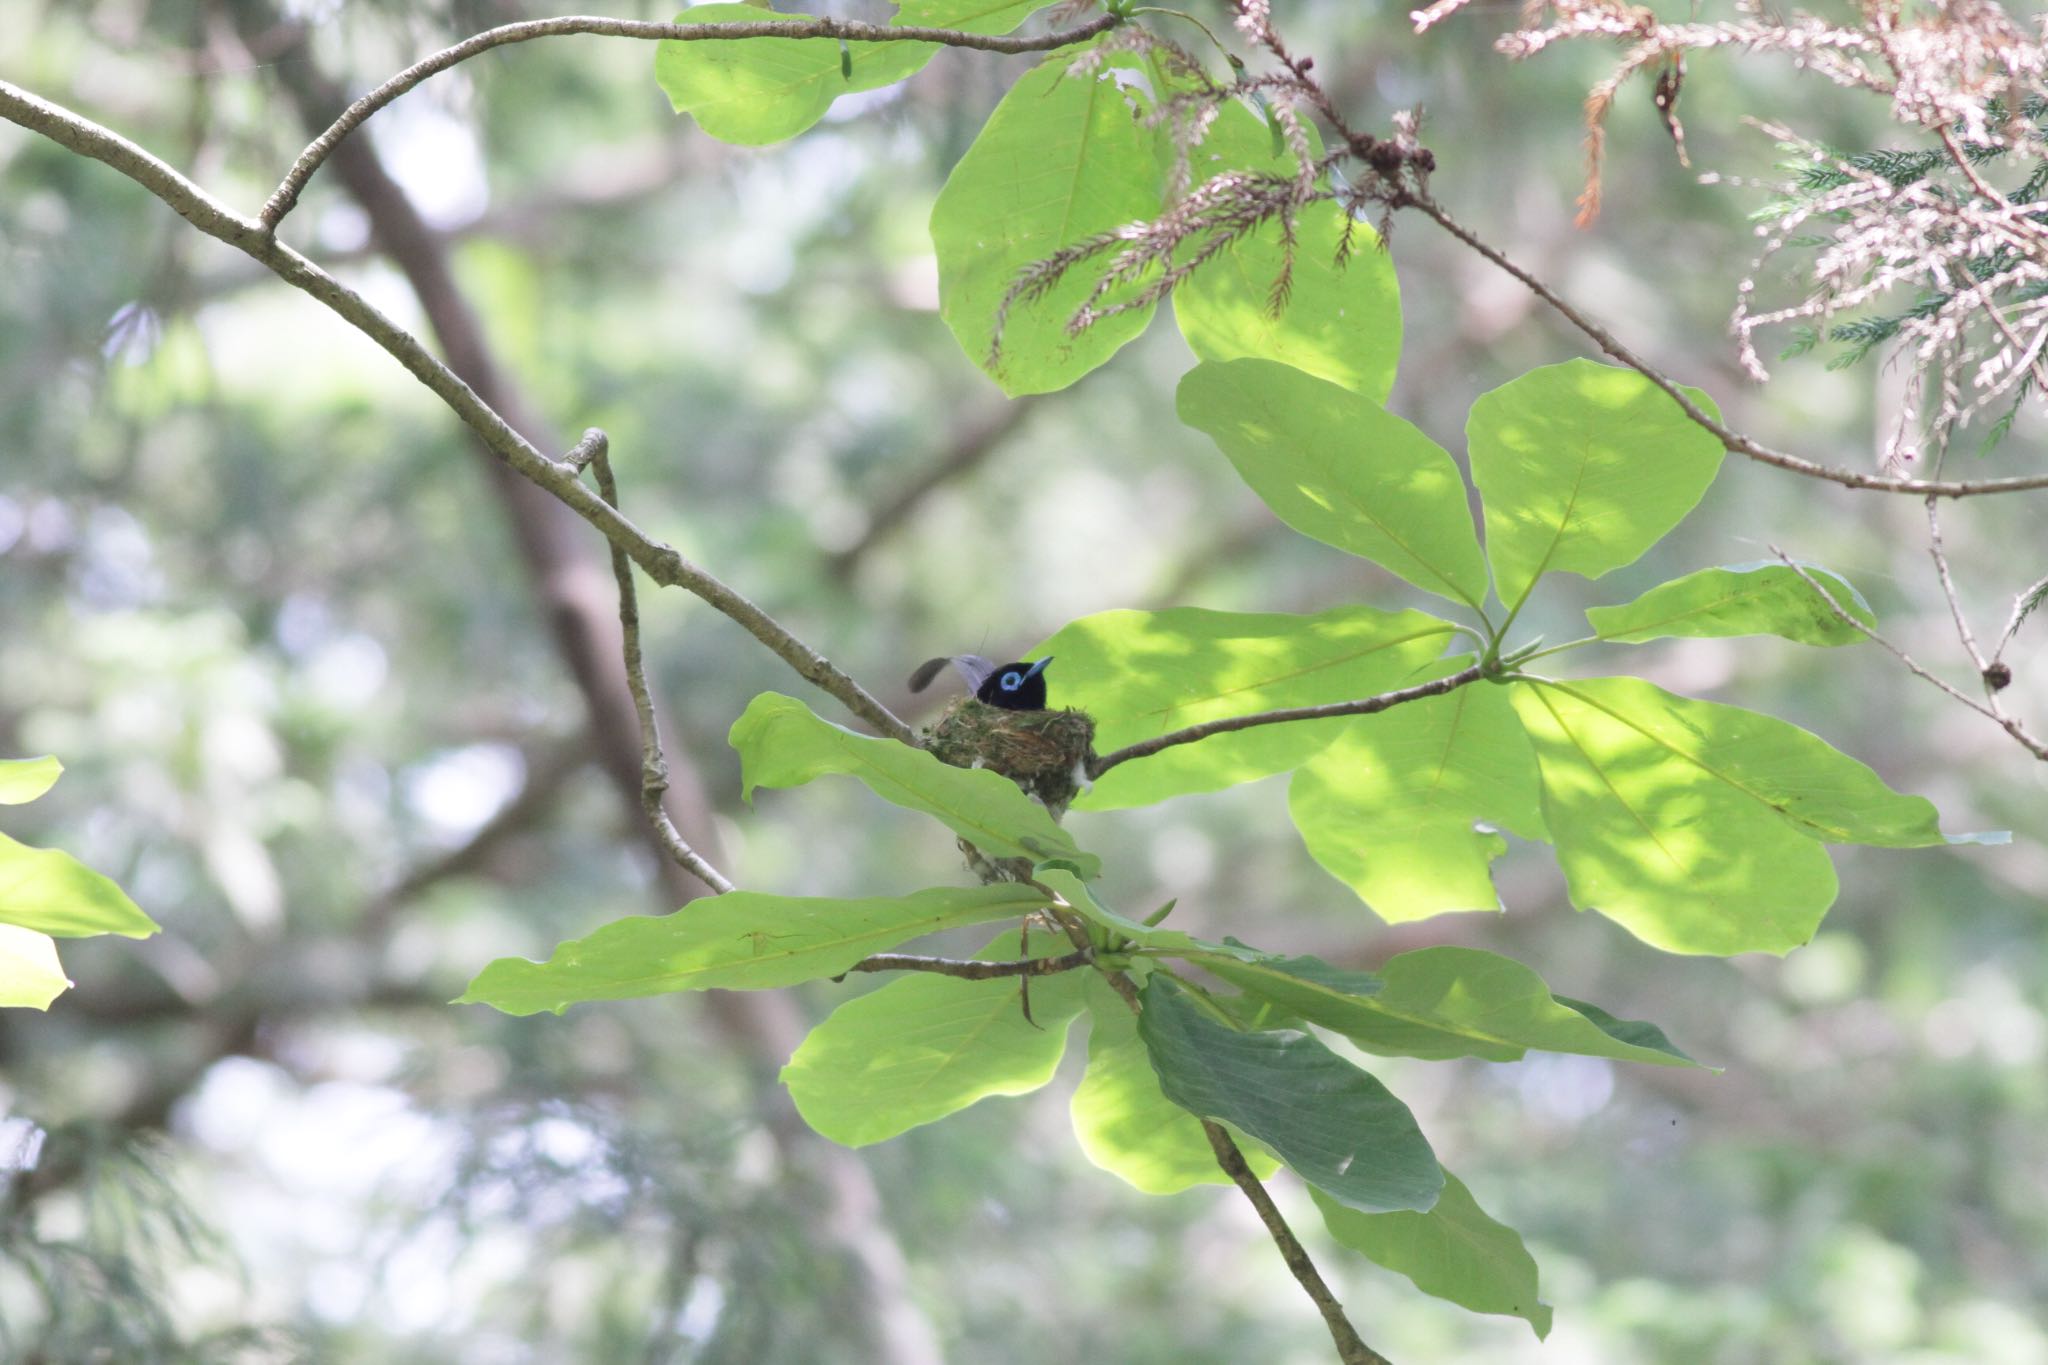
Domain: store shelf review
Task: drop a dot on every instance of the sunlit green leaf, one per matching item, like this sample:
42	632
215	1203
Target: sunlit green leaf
1583	467
1333	1123
1337	466
1142	674
1394	806
782	744
925	1046
54	893
743	940
1063	157
1743	599
1125	1123
1454	1251
1338	322
30	975
969	16
24	779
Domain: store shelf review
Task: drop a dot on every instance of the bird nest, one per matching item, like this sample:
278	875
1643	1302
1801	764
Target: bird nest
1044	752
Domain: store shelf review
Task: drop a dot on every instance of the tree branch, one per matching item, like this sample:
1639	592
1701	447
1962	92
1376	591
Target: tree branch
973	969
661	563
1363	706
287	193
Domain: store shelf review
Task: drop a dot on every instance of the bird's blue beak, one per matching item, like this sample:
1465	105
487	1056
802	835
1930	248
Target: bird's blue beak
1036	669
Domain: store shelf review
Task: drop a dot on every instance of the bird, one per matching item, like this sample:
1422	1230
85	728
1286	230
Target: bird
1016	686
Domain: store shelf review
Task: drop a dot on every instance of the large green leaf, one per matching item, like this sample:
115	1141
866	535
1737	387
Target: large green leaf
1442	1002
743	940
1143	674
1454	1251
782	744
24	779
926	1046
1339	322
1124	1121
1743	599
1399	807
763	90
969	16
1063	158
1583	467
30	975
54	893
1697	826
1334	1124
1337	466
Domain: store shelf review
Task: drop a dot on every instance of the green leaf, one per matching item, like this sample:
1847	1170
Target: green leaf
1742	599
30	975
1142	674
969	16
1334	1124
1393	807
1437	1003
1063	158
760	90
54	893
24	779
782	744
1123	1120
1454	1251
1337	466
1696	826
1583	467
1634	1032
926	1046
743	940
1341	323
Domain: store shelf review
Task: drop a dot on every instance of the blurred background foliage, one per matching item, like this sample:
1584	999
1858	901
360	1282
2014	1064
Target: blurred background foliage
251	595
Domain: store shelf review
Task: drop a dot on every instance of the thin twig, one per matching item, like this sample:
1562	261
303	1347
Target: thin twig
1362	706
660	562
1730	439
287	193
1948	586
653	765
973	969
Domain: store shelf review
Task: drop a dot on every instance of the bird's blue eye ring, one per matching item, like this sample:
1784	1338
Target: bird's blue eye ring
1012	680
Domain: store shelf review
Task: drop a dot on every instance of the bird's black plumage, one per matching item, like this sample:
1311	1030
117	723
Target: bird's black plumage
1013	687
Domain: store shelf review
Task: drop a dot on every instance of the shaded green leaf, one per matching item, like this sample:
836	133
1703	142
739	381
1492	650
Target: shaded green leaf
24	779
1125	1123
1337	466
1062	158
1338	322
1583	467
30	975
54	893
1142	674
1394	806
1635	1032
1454	1251
1333	1123
743	940
1742	599
926	1046
782	744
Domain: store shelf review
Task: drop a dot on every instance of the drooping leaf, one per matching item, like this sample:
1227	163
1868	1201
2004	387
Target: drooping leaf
1338	322
1454	1251
1143	674
1635	1032
1436	1003
24	779
1063	158
1583	467
30	975
927	1046
54	893
1337	466
1402	806
782	744
743	940
1742	599
1333	1123
1125	1123
761	90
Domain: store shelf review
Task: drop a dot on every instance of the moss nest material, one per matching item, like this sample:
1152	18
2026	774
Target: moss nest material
1044	752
